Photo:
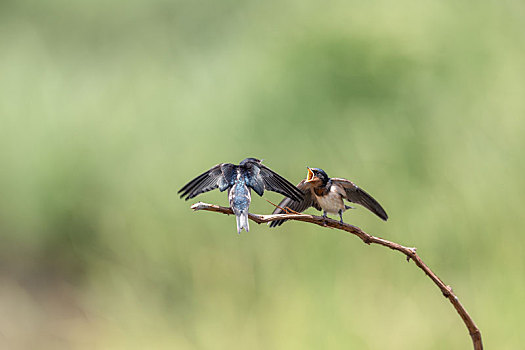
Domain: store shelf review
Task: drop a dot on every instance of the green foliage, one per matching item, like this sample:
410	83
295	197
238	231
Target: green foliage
108	108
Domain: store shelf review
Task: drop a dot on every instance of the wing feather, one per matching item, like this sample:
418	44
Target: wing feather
207	181
308	201
359	196
276	183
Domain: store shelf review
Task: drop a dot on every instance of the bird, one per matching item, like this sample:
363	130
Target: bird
239	180
328	194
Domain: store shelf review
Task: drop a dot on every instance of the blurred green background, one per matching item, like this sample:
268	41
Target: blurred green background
108	107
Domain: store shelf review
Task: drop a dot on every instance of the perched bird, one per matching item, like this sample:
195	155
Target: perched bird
239	180
327	194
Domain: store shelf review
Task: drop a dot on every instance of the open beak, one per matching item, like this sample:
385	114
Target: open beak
310	176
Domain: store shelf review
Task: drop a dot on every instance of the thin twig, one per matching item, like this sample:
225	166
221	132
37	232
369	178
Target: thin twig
410	253
285	209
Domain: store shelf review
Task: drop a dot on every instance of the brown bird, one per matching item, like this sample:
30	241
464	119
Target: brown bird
328	195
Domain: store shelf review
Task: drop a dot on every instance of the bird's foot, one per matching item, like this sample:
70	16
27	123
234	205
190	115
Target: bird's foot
324	219
349	207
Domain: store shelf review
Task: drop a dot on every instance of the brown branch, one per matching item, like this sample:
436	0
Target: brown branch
410	253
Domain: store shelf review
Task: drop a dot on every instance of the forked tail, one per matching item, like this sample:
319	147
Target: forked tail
242	221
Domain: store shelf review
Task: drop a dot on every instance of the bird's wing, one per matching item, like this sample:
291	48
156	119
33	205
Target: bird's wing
308	201
359	196
276	183
218	176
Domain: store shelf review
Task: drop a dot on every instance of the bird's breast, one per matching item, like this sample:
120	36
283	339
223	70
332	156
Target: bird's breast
331	202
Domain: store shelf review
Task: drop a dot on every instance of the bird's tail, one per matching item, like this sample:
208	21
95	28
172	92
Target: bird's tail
242	221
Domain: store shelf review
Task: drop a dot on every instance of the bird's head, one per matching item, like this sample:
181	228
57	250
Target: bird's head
316	176
251	160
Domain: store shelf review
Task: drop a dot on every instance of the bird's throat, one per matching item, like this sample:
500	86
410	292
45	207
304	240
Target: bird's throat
321	190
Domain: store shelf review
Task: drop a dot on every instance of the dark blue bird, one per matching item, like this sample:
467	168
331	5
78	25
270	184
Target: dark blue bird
239	180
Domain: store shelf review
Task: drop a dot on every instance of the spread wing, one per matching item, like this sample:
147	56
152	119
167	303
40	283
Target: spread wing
219	176
359	196
298	206
276	183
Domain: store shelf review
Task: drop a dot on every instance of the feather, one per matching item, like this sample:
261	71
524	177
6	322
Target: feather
308	201
359	196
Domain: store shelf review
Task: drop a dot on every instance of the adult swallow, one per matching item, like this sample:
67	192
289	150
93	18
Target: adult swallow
328	194
239	180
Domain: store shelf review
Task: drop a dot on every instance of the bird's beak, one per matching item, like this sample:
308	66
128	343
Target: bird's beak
310	175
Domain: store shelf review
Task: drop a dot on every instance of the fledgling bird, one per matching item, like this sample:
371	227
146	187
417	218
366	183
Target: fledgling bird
327	194
239	180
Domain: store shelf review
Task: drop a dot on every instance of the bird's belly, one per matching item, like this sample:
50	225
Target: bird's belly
331	203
